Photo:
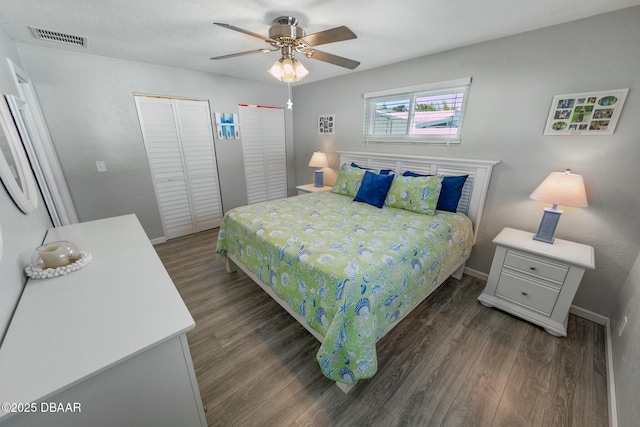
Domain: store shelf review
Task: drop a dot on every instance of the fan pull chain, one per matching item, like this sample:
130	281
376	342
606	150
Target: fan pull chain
289	103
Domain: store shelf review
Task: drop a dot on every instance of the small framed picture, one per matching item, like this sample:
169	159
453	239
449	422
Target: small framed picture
326	124
589	113
227	126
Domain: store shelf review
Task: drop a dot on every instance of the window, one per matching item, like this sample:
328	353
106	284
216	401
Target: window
426	113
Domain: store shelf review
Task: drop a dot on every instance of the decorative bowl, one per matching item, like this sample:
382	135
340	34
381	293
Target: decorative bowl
55	254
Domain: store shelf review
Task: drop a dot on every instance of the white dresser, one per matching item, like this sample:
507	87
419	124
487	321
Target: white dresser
109	340
535	280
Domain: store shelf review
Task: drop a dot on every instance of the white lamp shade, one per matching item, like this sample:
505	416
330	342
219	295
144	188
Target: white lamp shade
562	188
319	160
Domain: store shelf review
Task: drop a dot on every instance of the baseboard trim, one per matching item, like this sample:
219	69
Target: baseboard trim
613	404
589	315
158	241
611	385
477	274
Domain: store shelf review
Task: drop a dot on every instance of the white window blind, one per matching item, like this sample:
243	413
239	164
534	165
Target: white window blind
431	113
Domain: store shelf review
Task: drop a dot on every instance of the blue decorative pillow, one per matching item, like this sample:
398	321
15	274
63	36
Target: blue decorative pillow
378	171
373	189
450	193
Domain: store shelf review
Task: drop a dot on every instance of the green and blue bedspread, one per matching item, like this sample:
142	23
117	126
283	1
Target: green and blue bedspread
349	268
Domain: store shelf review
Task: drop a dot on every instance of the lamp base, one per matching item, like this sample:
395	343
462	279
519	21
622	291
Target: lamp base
548	225
319	179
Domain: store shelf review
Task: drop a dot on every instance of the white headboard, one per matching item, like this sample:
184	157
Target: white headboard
475	188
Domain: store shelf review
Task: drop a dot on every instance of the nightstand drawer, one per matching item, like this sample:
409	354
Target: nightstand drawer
536	266
527	293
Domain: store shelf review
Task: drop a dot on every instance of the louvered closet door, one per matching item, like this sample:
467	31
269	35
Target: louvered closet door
275	152
196	135
179	142
161	139
264	152
255	169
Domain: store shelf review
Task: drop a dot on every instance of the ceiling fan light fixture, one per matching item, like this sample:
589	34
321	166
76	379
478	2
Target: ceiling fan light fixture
286	35
288	70
301	72
276	70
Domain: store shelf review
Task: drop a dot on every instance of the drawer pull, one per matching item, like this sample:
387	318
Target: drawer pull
531	267
524	292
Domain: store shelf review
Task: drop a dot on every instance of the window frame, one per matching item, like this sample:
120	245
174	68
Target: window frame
371	99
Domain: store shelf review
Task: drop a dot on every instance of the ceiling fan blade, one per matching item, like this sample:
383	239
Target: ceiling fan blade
233	55
247	32
329	36
334	59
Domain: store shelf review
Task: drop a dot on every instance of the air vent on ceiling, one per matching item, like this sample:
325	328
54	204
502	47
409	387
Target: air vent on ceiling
54	36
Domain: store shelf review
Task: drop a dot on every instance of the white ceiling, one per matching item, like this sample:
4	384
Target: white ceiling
180	33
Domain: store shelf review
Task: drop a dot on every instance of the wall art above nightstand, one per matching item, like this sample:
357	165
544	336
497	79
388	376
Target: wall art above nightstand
587	113
326	124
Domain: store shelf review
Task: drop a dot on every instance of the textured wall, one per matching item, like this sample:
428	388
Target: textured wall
626	349
88	103
514	80
21	233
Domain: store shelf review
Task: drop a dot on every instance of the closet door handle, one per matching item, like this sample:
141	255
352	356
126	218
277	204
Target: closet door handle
524	292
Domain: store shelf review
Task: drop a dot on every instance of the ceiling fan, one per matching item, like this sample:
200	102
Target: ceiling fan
285	35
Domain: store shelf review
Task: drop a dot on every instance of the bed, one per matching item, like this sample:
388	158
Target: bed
350	271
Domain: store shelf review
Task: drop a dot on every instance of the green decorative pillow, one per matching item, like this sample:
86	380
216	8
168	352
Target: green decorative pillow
349	180
416	194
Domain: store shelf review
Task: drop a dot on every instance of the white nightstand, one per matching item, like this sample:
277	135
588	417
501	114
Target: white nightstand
309	188
535	280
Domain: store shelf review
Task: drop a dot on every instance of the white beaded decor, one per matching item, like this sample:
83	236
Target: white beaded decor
36	272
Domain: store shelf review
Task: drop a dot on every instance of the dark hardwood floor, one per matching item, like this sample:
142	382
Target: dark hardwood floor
451	362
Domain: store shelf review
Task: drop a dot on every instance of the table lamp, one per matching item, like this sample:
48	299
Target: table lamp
318	160
559	188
